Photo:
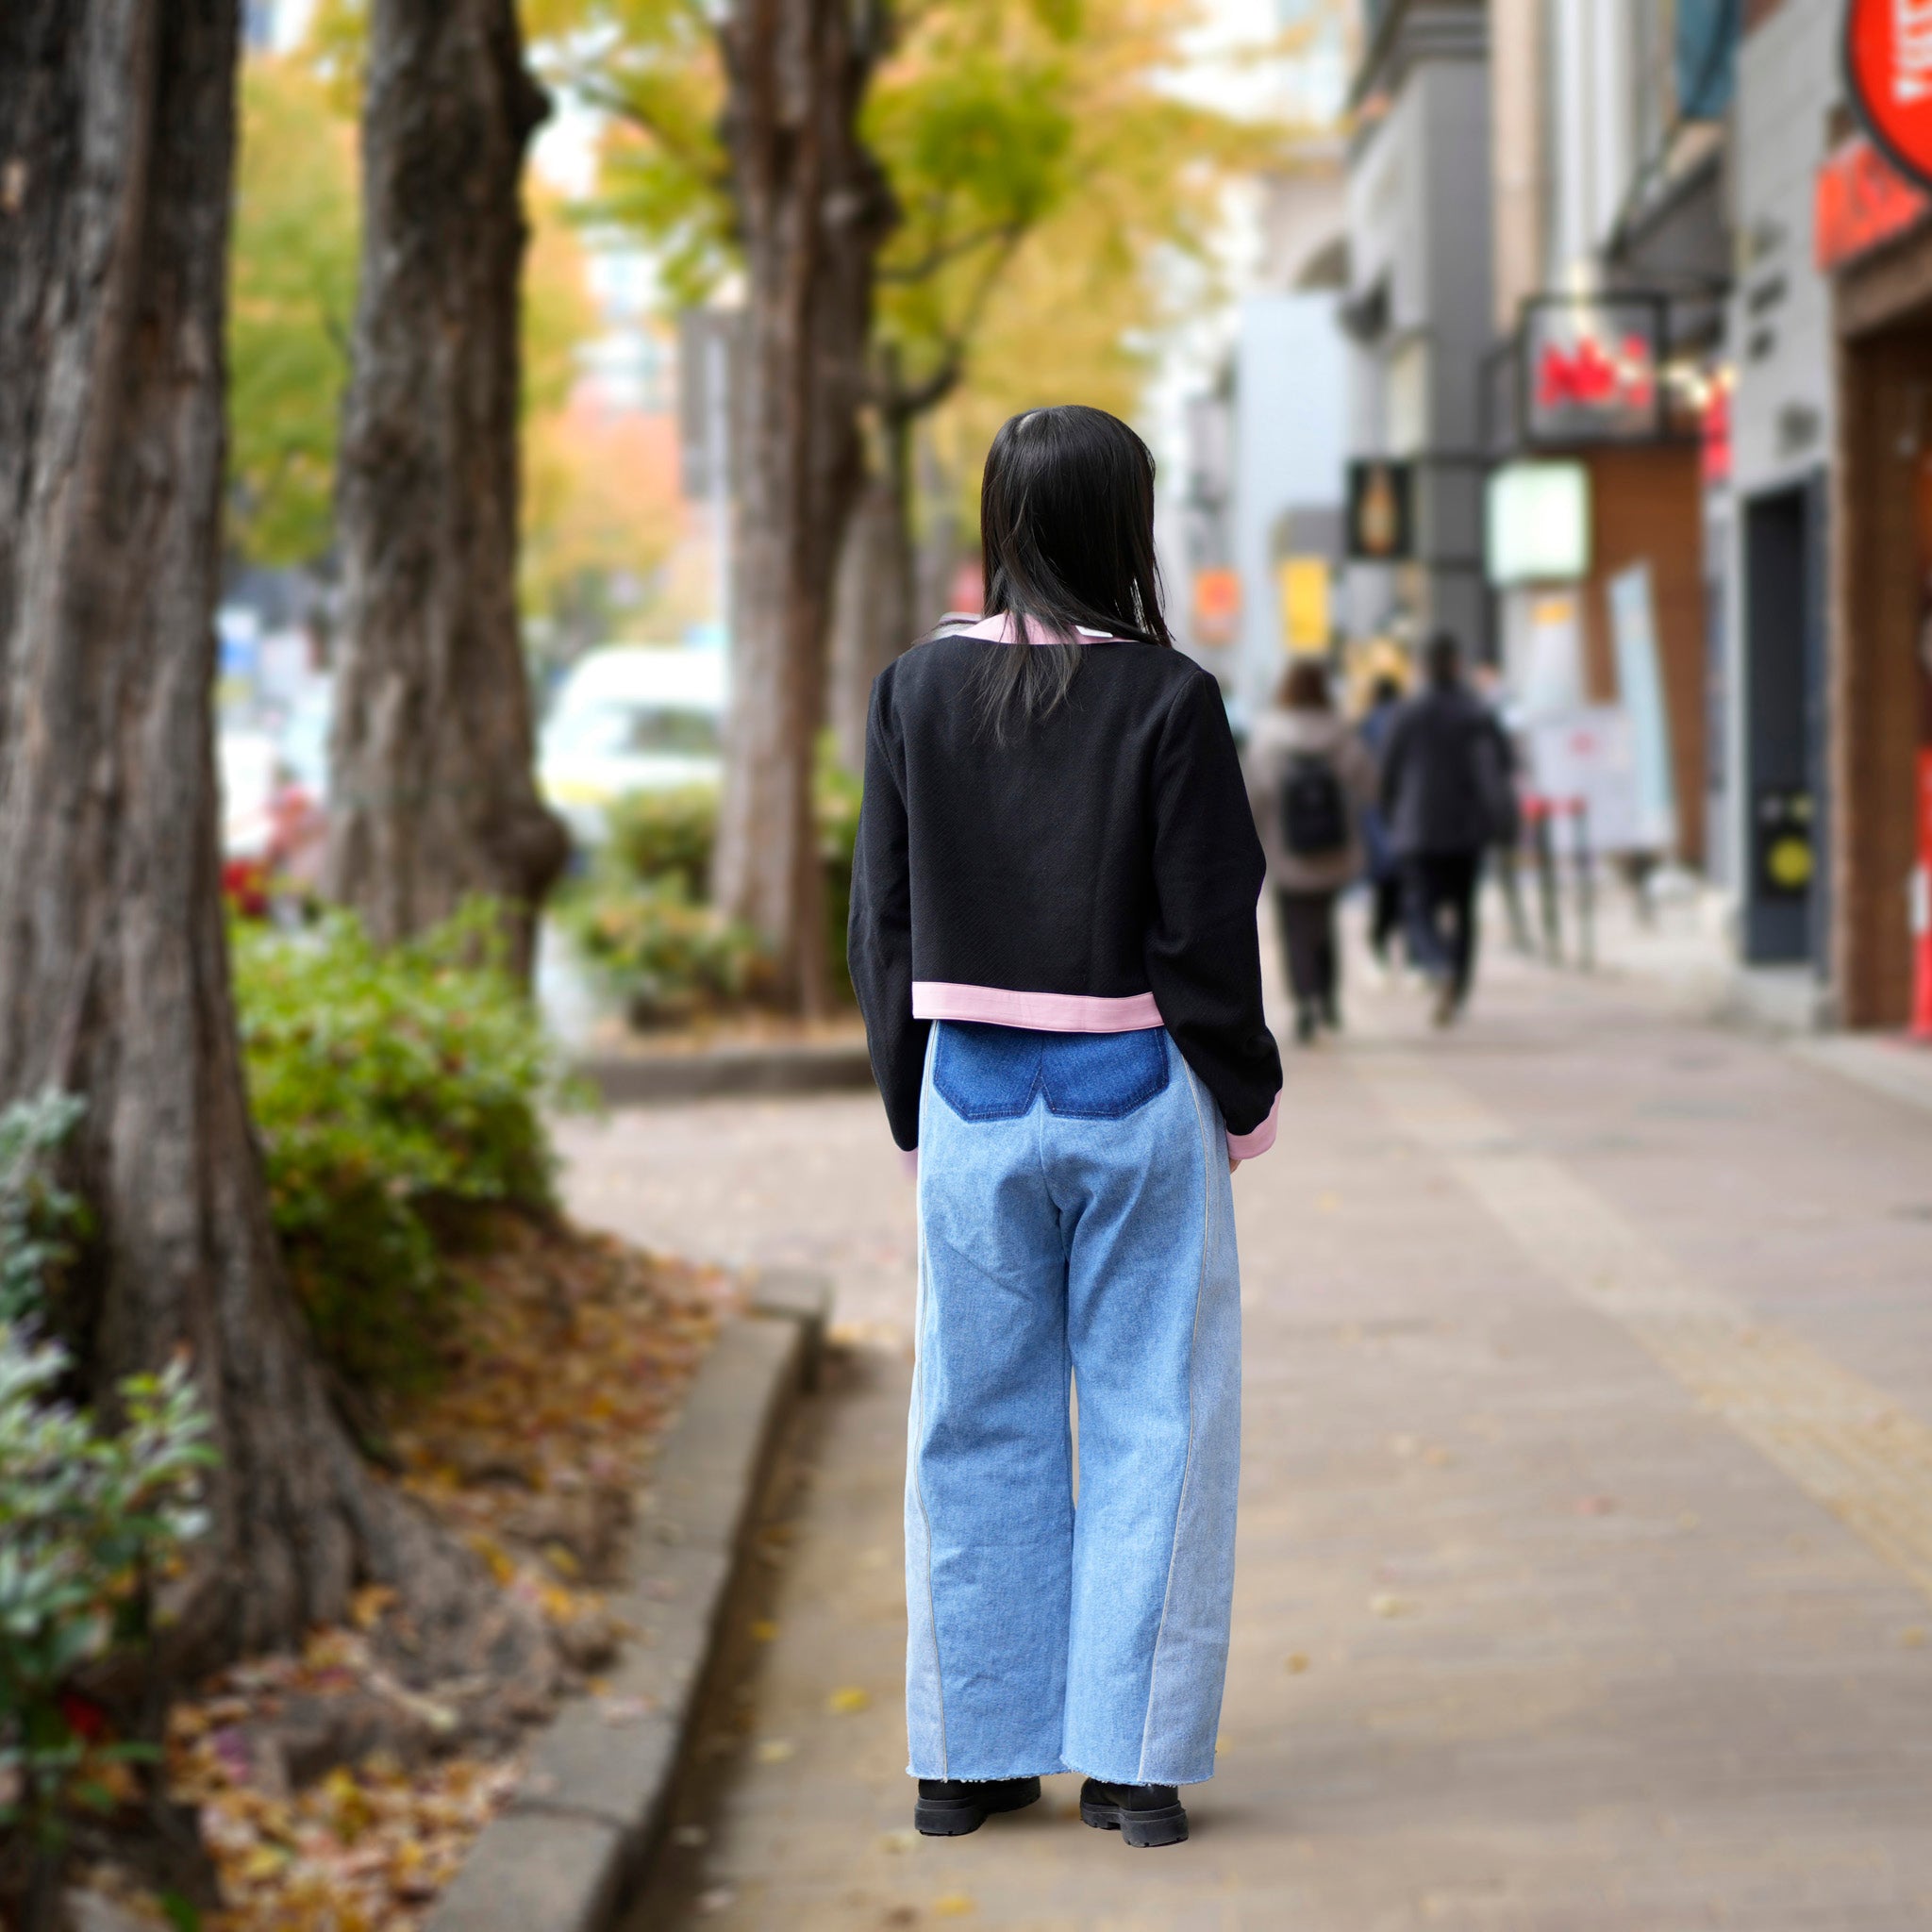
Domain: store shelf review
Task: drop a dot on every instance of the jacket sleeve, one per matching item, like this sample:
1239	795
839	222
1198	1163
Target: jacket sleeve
878	936
1204	961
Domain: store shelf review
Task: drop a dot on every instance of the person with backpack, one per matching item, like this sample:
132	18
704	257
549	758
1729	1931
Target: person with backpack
1448	793
1054	944
1310	777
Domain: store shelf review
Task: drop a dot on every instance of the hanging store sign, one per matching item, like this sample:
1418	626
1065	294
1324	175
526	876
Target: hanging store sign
1381	511
1217	605
1858	201
1306	626
1592	370
1887	58
1537	524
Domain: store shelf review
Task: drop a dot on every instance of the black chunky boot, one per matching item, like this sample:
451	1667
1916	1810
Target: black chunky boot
950	1808
1142	1814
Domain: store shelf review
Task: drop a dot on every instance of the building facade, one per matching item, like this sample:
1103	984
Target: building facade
1608	380
1417	313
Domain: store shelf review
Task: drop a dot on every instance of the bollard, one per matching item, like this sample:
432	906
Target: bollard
1586	886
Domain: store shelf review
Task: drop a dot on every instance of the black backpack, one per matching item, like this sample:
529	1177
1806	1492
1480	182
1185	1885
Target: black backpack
1314	814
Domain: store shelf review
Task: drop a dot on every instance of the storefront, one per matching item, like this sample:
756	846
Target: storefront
1874	236
1583	386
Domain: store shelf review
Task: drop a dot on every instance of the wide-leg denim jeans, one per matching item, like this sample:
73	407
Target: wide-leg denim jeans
1076	1225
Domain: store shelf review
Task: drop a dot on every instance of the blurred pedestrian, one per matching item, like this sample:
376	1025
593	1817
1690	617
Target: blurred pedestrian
1309	779
1505	848
1054	944
1446	793
1384	868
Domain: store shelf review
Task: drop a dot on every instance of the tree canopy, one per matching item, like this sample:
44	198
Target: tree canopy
291	294
1043	167
589	511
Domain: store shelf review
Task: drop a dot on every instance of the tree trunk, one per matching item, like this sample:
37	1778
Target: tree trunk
116	140
813	208
873	618
434	798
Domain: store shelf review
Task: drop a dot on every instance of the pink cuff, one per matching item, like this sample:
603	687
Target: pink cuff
1257	1140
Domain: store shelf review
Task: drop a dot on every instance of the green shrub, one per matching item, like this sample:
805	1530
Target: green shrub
388	1086
665	957
88	1520
641	922
662	837
38	1219
838	802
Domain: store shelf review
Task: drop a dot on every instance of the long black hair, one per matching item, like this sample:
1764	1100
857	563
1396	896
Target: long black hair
1066	520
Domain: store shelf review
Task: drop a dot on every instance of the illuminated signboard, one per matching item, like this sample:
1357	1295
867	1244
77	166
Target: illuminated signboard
1537	524
1217	605
1859	201
1887	58
1381	511
1592	369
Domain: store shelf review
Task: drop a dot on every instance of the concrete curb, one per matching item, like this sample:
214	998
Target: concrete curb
646	1080
567	1853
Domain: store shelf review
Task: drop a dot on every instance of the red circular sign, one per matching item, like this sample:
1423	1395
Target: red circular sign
1888	70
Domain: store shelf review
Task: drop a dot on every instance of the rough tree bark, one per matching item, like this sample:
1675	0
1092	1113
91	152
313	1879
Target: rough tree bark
116	138
434	793
873	608
813	208
877	609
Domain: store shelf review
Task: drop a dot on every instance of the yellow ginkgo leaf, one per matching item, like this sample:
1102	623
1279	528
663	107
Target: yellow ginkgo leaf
847	1699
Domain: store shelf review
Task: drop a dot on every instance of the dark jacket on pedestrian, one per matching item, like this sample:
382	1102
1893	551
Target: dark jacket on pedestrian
1446	774
1098	874
1374	730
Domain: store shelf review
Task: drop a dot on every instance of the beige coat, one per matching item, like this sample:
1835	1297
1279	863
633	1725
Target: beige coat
1279	736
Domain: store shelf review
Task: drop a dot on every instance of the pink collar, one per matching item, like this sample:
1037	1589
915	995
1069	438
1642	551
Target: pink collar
1000	629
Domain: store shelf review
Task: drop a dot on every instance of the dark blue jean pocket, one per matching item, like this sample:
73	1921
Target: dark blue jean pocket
987	1072
1102	1076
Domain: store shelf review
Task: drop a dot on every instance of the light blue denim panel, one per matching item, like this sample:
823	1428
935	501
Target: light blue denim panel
1091	1229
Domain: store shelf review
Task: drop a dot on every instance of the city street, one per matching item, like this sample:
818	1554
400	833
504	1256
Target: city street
1587	1516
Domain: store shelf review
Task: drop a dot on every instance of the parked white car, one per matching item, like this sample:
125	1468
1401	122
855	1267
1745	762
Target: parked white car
631	718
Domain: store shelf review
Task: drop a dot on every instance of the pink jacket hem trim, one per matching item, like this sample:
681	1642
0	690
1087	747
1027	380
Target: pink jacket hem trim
1257	1139
1038	1012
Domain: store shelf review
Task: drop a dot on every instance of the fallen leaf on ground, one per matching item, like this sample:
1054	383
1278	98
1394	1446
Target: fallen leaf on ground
627	1710
899	1840
776	1750
763	1630
1295	1663
952	1905
848	1699
1389	1605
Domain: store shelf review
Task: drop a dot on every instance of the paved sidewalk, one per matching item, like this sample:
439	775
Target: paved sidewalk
1587	1532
